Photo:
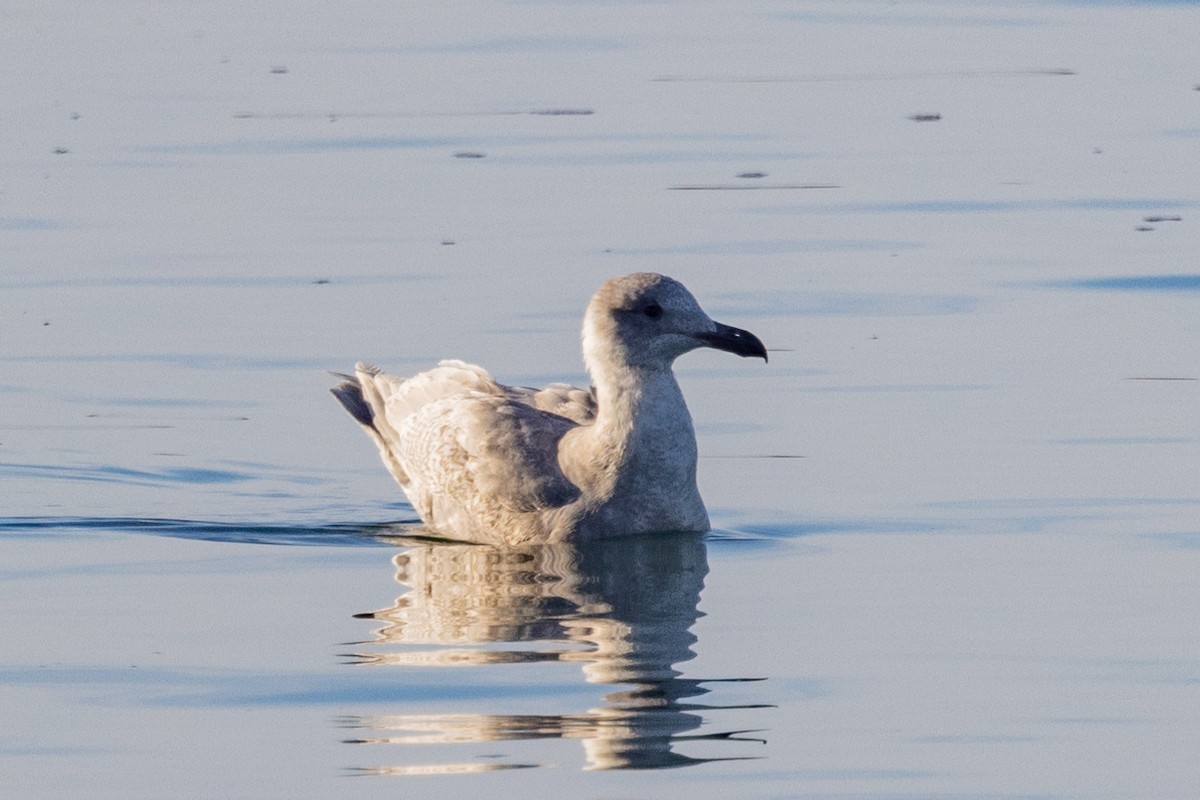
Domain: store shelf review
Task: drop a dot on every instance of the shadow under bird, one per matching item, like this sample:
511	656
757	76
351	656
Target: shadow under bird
485	462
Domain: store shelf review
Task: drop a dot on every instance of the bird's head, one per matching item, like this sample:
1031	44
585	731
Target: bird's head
649	320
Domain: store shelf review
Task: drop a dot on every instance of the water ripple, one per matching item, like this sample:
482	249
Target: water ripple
107	473
385	534
977	206
1134	283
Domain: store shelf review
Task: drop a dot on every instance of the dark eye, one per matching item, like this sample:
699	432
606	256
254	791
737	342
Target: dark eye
653	311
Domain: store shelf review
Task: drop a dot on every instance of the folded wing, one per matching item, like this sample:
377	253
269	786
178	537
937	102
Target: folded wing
463	446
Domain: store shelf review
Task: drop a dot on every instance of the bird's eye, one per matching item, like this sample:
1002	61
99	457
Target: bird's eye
653	311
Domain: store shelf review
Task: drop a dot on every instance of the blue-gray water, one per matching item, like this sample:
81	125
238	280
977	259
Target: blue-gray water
957	537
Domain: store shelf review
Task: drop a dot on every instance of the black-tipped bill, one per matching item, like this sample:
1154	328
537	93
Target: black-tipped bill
735	340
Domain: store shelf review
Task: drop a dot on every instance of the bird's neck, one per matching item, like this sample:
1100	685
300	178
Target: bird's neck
642	421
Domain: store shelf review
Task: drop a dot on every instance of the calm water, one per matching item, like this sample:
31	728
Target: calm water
957	546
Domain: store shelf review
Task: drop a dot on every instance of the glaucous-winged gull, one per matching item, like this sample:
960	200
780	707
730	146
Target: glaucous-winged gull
485	462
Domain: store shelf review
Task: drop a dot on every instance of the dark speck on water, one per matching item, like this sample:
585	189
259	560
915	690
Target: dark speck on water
752	175
1162	219
925	117
468	154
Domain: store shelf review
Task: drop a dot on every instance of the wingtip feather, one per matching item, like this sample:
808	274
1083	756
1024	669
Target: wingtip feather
349	394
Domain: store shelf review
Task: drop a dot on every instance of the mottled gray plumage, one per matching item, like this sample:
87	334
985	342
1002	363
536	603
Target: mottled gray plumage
485	462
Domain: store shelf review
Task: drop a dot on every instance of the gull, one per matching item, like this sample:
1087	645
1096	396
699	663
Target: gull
485	462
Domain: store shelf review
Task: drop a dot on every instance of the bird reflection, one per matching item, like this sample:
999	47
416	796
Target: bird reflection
621	609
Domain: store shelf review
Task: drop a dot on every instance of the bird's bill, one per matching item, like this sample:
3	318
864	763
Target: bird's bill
735	340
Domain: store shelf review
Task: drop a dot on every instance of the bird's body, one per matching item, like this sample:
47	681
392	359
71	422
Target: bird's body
485	462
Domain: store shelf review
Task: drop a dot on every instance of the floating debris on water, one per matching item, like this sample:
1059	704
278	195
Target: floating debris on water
1162	219
279	70
469	154
752	174
925	117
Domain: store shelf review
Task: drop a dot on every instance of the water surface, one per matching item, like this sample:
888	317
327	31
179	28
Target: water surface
956	515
